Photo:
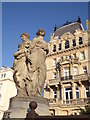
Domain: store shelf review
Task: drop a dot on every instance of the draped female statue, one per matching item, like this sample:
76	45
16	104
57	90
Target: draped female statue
20	65
37	65
29	64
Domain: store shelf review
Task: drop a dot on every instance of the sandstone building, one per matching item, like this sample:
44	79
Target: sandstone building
7	88
68	71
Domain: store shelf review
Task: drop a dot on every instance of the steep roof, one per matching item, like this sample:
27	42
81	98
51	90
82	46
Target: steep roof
68	28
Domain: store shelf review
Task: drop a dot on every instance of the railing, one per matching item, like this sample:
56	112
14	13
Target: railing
82	76
76	77
79	101
54	81
66	78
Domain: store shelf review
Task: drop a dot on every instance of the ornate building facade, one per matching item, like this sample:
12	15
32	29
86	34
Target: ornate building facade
68	71
7	88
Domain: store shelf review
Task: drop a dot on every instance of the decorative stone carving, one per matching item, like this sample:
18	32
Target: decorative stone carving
36	63
29	64
20	65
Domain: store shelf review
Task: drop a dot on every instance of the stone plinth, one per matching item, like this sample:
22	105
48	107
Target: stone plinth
20	105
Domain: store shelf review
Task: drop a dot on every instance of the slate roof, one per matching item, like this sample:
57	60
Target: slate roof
68	28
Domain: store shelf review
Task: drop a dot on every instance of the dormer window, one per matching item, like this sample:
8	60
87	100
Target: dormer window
54	48
74	43
67	44
80	41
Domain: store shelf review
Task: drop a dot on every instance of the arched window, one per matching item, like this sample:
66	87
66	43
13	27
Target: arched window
66	44
54	48
80	41
74	42
59	46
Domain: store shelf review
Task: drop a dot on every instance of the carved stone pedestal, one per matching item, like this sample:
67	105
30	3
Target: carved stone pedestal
20	105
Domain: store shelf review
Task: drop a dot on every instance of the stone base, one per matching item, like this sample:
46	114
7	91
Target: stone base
19	106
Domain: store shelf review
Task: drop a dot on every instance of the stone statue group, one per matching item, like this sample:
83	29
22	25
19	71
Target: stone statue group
29	64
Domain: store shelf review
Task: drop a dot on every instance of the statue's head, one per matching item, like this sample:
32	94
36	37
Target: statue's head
40	32
25	36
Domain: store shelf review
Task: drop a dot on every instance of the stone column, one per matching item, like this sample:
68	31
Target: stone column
73	90
71	69
82	91
51	93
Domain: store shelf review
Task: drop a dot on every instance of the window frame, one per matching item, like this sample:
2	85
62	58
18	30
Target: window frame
54	94
82	55
74	44
54	48
59	46
80	41
67	44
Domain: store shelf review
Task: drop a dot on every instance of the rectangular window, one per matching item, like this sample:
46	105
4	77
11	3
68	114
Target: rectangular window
59	46
54	76
66	44
4	74
55	93
82	56
80	41
1	75
68	93
74	43
54	62
74	55
54	48
87	92
77	92
67	57
66	72
85	70
75	71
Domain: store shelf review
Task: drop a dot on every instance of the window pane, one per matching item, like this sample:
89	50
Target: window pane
71	95
77	94
54	62
80	41
67	95
82	55
66	44
74	55
54	75
59	47
84	70
54	48
74	42
75	71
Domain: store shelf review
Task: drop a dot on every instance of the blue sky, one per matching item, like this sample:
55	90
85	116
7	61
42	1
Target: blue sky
19	17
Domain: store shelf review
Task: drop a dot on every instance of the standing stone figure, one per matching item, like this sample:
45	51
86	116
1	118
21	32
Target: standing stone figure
29	65
20	65
37	65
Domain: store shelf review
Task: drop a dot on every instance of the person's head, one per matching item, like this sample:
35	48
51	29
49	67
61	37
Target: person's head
40	32
25	36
